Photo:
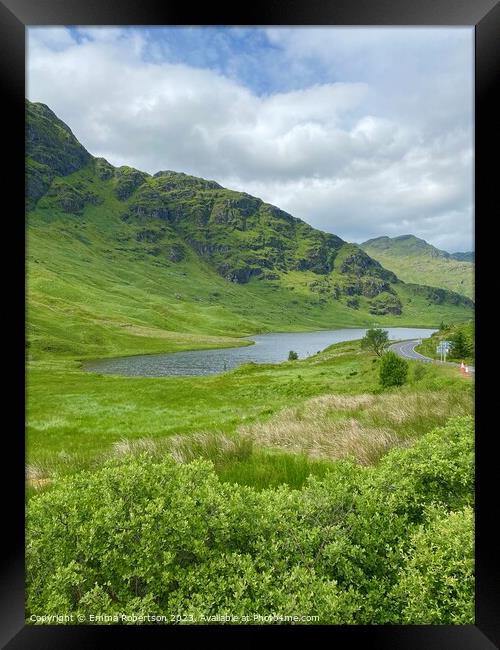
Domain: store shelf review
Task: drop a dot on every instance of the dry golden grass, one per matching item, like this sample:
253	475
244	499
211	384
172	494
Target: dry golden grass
362	427
35	472
214	446
322	438
126	447
36	476
187	447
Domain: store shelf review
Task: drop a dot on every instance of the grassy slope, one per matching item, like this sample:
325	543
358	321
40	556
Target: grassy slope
418	265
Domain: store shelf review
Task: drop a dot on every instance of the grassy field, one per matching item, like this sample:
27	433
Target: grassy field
263	424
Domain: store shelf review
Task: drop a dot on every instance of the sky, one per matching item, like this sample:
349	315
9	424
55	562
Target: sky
362	132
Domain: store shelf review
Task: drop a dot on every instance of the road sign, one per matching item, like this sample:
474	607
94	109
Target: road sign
443	348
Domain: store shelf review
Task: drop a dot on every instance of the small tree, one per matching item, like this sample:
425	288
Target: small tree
375	340
292	356
393	370
460	345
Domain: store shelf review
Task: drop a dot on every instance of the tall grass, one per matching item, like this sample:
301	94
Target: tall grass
362	427
291	444
215	447
235	459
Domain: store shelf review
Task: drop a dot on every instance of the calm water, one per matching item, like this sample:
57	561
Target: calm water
268	348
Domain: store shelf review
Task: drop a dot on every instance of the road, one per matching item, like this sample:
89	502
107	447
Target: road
406	349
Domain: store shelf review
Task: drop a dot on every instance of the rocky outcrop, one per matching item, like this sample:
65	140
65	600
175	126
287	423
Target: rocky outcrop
148	203
103	169
127	180
440	296
72	199
234	212
50	142
170	181
150	236
38	180
358	263
386	304
176	253
239	275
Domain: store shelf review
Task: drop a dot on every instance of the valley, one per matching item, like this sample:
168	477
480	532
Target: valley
201	476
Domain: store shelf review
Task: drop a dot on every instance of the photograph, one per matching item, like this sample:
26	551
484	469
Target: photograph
250	348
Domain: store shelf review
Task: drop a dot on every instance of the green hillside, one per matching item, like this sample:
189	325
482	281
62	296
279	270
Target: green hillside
462	339
122	262
414	260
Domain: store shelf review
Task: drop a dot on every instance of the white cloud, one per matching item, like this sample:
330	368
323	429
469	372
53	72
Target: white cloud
55	38
371	154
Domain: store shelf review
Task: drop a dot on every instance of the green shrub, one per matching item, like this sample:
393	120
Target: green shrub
155	537
437	581
393	370
292	355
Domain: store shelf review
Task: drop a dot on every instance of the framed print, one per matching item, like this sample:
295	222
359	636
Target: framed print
251	374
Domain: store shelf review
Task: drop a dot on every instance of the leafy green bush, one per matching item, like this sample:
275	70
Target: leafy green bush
292	355
438	578
393	370
144	537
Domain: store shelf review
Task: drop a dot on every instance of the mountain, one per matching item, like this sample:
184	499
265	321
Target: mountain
121	261
415	260
463	257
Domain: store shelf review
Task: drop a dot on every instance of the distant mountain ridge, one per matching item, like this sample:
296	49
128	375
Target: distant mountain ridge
468	256
415	260
414	245
192	255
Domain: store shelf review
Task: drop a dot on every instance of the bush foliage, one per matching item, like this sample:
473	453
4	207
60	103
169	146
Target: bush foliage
386	544
393	370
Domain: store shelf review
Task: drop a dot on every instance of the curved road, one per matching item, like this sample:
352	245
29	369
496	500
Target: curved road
406	349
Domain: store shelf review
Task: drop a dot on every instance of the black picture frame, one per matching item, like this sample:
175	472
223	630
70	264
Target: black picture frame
15	15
